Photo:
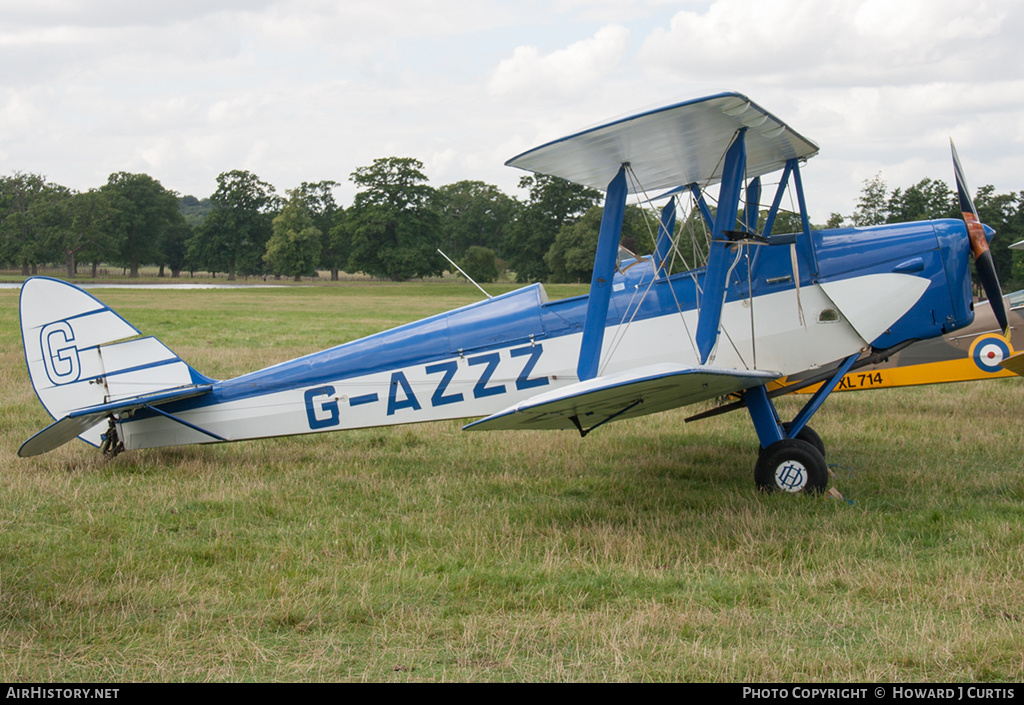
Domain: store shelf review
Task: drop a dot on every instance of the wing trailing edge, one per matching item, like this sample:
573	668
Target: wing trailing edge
1015	364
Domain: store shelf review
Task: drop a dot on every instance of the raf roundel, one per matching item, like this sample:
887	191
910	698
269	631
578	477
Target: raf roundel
989	351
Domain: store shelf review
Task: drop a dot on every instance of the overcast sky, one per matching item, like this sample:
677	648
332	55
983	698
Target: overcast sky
305	90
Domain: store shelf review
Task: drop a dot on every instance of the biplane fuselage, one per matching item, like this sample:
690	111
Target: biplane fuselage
487	356
763	306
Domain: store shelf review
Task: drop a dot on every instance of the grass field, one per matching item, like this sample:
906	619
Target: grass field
640	553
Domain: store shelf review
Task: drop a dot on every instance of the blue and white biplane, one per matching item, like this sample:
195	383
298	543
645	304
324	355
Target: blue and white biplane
643	340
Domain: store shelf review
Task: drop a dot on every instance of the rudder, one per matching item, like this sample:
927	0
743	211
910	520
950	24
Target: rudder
80	353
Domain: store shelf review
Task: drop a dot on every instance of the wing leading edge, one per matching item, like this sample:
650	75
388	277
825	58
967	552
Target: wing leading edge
586	405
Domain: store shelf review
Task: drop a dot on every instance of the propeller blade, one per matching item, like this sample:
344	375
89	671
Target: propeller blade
979	246
1014	363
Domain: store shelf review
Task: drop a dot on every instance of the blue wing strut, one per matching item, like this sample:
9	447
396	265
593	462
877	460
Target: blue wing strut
716	282
601	282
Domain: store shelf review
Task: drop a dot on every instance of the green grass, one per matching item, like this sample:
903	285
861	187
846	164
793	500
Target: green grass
641	552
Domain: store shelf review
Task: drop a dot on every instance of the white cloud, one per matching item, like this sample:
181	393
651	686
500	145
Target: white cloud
563	74
836	43
311	89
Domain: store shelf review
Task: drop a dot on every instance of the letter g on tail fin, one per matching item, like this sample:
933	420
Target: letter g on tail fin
81	354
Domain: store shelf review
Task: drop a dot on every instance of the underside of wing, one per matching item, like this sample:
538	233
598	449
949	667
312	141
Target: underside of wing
587	405
671	146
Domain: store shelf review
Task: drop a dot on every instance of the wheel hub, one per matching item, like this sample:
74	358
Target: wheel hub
791	476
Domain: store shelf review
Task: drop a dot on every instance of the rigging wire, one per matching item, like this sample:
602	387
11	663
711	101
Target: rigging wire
622	330
632	308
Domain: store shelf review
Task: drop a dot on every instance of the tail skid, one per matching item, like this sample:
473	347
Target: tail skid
86	364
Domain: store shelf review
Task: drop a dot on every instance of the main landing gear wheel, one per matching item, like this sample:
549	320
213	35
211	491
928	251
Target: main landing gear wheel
791	465
809	435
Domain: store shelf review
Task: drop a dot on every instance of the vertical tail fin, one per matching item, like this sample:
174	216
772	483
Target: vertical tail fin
81	354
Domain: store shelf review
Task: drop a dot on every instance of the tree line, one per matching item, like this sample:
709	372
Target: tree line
392	229
929	199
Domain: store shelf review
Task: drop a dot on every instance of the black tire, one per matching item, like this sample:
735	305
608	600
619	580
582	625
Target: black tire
807	434
791	465
810	435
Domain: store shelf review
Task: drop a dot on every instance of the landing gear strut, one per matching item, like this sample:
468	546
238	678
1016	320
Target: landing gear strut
792	457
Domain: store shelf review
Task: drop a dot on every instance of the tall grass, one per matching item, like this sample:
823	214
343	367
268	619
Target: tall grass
642	552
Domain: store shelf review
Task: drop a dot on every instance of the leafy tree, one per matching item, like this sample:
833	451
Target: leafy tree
88	235
787	222
552	203
1005	213
924	200
233	237
294	247
474	214
195	210
173	247
571	256
201	247
318	201
835	220
143	210
338	244
480	263
872	206
53	216
394	224
29	210
1016	280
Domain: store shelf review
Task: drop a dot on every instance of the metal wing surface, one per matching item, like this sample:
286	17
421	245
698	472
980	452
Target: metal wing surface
671	146
643	391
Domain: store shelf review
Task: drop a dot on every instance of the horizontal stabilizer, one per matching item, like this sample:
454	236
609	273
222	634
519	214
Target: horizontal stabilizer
58	433
81	420
586	405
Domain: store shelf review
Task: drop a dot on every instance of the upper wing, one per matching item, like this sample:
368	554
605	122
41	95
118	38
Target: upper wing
671	146
586	405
